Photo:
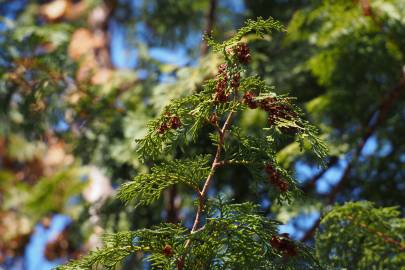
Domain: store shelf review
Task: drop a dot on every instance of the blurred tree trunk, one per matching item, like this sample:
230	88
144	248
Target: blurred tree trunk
210	21
172	199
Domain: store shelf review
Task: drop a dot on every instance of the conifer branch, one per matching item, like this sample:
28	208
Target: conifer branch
147	188
360	228
202	195
215	164
227	227
387	239
375	120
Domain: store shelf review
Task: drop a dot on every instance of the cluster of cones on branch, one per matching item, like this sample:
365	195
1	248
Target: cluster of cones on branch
284	244
221	93
171	122
168	250
242	54
275	109
276	179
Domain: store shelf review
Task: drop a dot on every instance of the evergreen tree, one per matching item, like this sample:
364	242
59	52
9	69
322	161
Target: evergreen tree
223	235
69	114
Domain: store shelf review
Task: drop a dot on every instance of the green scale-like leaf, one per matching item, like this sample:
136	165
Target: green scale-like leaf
192	111
120	245
359	236
146	188
235	236
259	26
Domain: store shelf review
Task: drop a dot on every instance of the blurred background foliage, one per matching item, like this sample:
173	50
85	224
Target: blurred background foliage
79	79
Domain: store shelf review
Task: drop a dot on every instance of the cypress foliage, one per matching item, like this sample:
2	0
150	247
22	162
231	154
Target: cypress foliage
359	236
224	235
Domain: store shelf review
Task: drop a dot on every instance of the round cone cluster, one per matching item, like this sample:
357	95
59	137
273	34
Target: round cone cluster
168	250
248	99
221	95
276	179
242	52
284	244
172	122
274	109
235	82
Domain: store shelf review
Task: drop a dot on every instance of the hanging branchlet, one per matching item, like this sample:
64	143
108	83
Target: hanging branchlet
147	188
283	116
278	110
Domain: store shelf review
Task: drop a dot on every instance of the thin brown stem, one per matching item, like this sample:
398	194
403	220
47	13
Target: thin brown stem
233	162
202	195
215	164
217	155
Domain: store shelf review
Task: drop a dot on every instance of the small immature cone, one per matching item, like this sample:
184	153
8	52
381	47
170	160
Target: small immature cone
213	119
221	97
162	129
175	122
284	244
248	99
243	53
235	81
168	250
276	179
222	68
275	242
171	122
